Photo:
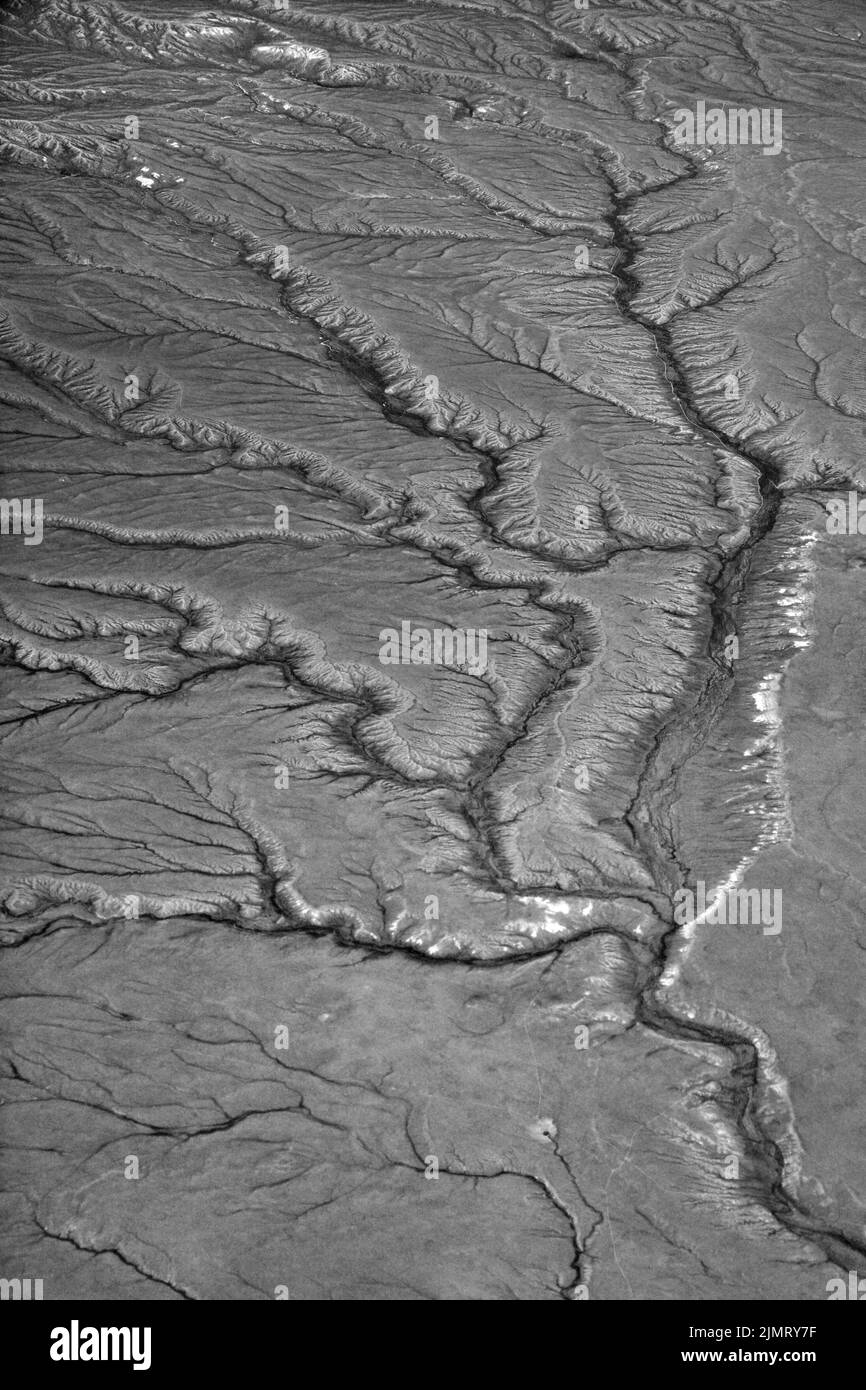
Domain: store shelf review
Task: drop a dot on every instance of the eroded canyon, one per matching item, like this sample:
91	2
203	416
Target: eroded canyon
342	953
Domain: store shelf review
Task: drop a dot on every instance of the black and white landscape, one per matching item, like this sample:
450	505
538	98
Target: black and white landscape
434	559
